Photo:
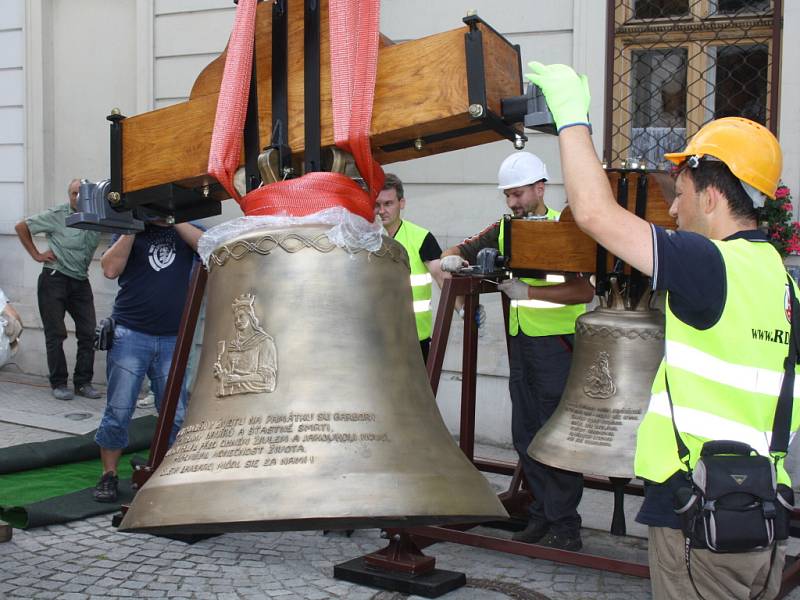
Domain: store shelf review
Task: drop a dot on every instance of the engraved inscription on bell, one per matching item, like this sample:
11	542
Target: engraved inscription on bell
248	362
598	382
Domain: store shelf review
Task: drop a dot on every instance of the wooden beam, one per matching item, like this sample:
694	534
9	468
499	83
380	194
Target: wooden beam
560	246
421	90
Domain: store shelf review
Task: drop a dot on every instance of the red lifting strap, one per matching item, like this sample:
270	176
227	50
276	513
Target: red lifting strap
354	58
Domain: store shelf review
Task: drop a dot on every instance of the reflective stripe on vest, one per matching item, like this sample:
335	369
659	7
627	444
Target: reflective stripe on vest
418	280
539	317
749	379
724	380
412	236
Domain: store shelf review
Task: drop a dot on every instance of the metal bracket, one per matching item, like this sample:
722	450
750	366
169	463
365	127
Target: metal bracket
252	143
95	213
476	83
311	47
115	189
282	160
183	204
530	109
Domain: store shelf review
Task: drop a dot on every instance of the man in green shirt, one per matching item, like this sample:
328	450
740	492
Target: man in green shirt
63	287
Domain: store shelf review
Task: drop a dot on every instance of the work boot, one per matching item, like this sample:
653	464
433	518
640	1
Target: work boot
106	488
533	532
5	532
562	541
62	392
87	391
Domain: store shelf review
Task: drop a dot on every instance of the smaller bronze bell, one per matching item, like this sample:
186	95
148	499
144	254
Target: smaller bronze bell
616	355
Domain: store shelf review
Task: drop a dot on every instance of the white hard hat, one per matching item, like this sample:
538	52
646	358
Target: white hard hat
521	168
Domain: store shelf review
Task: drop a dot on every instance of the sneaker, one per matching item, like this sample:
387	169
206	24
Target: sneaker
106	488
87	391
147	401
559	541
62	392
533	532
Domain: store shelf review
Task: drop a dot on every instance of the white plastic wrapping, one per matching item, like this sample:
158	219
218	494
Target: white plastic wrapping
348	231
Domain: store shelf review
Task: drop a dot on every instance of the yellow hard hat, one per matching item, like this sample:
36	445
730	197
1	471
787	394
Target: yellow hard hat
749	150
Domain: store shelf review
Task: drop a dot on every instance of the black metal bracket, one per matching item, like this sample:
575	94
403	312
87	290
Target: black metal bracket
476	83
423	141
252	142
530	109
115	192
311	46
639	279
280	86
601	269
184	204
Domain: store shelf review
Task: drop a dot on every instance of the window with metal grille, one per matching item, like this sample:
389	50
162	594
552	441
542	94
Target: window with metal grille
674	65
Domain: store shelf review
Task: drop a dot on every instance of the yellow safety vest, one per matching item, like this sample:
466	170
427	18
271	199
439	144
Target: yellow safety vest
411	237
724	380
536	317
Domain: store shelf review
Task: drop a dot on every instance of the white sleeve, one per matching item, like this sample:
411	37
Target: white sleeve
3	301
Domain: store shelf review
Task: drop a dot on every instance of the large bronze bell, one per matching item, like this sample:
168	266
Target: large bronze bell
616	355
311	407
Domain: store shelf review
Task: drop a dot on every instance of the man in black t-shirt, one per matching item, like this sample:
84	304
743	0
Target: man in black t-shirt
153	267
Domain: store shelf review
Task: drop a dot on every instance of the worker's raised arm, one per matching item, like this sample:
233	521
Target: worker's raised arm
590	198
189	233
115	258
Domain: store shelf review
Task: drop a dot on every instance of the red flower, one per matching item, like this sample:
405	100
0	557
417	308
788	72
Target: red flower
781	192
793	245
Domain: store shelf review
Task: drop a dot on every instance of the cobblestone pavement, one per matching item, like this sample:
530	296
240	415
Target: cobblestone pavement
90	559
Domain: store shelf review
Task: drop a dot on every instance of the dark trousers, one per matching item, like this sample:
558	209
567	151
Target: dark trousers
538	373
60	294
425	346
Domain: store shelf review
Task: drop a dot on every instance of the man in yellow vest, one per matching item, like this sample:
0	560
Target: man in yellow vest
423	254
726	297
541	328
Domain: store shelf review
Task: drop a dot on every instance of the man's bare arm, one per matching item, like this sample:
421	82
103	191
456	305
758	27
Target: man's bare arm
189	234
115	258
24	235
436	272
593	206
573	291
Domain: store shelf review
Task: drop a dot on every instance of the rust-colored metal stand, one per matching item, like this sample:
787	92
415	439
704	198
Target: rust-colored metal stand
402	555
516	498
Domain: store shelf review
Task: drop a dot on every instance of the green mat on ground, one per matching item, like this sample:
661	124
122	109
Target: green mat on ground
57	485
65	508
74	448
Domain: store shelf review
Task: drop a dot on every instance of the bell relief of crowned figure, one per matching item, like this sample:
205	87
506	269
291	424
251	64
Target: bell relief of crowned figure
248	362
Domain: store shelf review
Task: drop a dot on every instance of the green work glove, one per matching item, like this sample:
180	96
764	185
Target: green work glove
566	92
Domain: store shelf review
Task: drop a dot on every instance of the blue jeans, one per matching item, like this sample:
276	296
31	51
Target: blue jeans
132	356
